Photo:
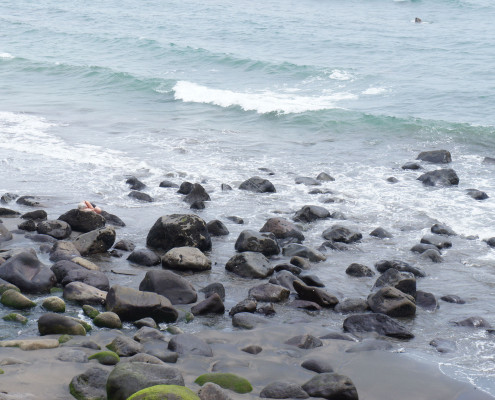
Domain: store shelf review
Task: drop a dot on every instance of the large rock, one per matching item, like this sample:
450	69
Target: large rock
258	185
96	279
129	378
339	233
211	305
299	250
217	228
54	228
249	265
305	341
435	156
166	283
83	221
439	177
63	250
283	229
401	266
212	391
5	234
285	279
269	292
311	213
124	346
442	229
131	305
6	212
90	385
145	257
174	392
331	386
12	298
392	302
51	323
438	241
82	293
186	343
97	241
197	194
178	230
379	323
186	259
359	270
63	267
315	295
26	272
264	243
283	390
246	320
403	281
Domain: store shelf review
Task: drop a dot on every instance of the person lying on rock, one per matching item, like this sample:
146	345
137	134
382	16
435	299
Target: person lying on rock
87	206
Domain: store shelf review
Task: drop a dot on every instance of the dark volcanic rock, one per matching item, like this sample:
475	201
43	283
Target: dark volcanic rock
125	245
411	166
178	230
317	365
235	220
63	267
282	229
422	247
166	283
144	257
29	201
295	249
168	184
5	212
432	255
352	305
197	194
339	233
249	265
269	292
441	229
440	177
29	226
392	179
211	305
212	288
185	343
379	323
401	266
52	323
217	228
97	241
316	295
311	213
134	183
264	243
283	390
359	270
258	185
452	298
381	233
403	281
225	188
305	341
185	188
26	272
131	305
96	279
392	302
38	215
141	196
426	301
83	221
311	279
305	305
54	228
437	241
90	384
324	177
435	156
476	194
331	386
474	322
244	306
112	219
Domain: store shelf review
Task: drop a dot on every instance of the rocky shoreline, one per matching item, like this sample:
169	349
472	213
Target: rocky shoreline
110	331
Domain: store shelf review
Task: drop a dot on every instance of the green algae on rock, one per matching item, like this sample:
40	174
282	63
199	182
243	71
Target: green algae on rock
14	317
227	381
106	357
164	392
54	304
14	299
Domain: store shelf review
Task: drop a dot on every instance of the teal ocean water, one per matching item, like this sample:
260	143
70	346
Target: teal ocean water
91	92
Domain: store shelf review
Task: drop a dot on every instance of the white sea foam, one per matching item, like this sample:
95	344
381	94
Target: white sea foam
340	75
374	90
6	55
262	102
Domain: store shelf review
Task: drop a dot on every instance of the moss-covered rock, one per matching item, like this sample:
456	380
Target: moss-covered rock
55	290
108	320
105	357
14	317
1	371
91	312
52	323
85	325
227	381
54	304
4	286
64	338
14	299
164	392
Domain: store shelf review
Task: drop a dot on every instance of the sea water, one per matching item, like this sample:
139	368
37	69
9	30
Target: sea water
210	92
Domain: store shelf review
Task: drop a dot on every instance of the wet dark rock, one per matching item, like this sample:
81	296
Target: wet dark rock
269	292
236	220
441	229
244	306
352	305
131	305
83	221
144	197
299	250
381	233
422	247
452	298
210	305
267	170
166	283
359	270
144	257
159	350
185	343
84	294
63	267
490	242
426	301
250	265
91	384
178	230
311	279
245	320
131	377
474	322
252	349
305	305
29	201
217	228
333	335
264	243
282	229
54	228
370	345
432	255
52	323
438	241
324	177
331	386
267	310
401	266
5	212
212	288
316	295
488	160
379	323
8	197
97	241
339	233
283	390
476	194
185	188
439	177
403	281
444	345
168	184
225	188
305	341
285	279
197	195
293	269
29	225
305	180
96	279
435	156
392	302
145	334
392	179
311	213
37	215
258	185
135	184
148	322
112	219
125	245
26	272
411	166
317	365
335	246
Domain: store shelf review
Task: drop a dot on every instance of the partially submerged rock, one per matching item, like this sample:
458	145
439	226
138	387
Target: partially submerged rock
227	381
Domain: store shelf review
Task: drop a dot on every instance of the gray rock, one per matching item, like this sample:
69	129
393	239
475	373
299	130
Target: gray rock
317	365
403	281
125	346
84	294
392	179
71	355
294	249
264	243
432	255
283	390
411	166
97	241
324	177
293	269
352	305
96	279
306	180
8	197
168	184
217	228
28	226
30	201
305	305
311	213
379	323
159	349
269	292
476	194
331	386
211	391
441	229
245	320
166	283
6	212
244	306
392	302
225	187
129	378
305	341
444	345
339	233
311	279
435	156
439	177
212	288
144	257
186	259
54	228
185	188
63	267
252	349
90	384
381	233
51	323
197	194
185	343
211	305
125	245
134	183
452	298
282	229
179	230
148	322
370	345
436	241
249	265
63	250
107	320
359	270
401	266
144	197
284	279
333	335
5	234
83	221
422	247
474	322
112	219
316	295
258	185
236	220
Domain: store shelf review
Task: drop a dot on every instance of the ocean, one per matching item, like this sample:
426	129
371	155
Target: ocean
93	92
